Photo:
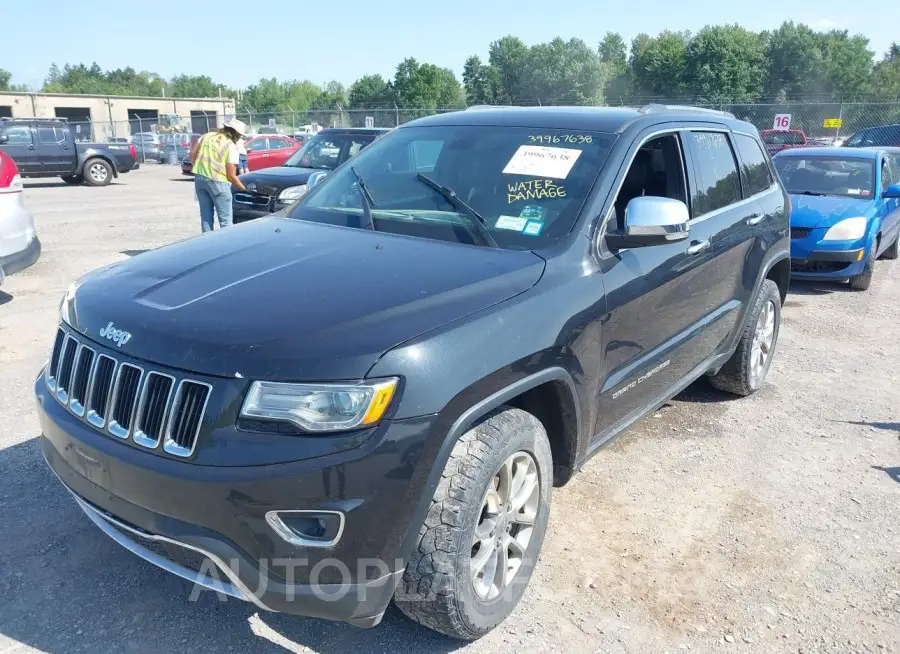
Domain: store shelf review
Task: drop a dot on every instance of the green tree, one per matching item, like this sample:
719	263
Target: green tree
886	75
370	91
192	86
726	63
794	62
658	64
426	86
613	53
567	72
509	56
482	81
847	64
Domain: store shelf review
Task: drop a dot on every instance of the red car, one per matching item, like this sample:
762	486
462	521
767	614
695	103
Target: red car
268	150
777	140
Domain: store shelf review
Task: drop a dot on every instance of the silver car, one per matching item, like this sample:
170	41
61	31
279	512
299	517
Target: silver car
19	244
147	146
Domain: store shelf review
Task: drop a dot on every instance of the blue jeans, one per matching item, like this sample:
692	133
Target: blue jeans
214	197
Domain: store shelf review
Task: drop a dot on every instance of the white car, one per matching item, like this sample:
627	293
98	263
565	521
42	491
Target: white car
19	244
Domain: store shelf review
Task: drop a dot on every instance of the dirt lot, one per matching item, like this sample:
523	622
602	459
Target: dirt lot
770	524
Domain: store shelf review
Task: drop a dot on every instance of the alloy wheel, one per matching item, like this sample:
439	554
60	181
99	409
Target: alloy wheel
98	172
763	341
505	525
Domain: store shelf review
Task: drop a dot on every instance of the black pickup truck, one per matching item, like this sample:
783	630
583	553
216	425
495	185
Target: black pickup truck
46	148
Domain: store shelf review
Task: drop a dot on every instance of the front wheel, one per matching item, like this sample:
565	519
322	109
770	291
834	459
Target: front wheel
864	280
746	370
97	172
484	528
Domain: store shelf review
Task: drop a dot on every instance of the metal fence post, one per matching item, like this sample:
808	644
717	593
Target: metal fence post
396	115
837	134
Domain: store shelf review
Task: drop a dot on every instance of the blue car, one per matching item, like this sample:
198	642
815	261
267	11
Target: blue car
845	211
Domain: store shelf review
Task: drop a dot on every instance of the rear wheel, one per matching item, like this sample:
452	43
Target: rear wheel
73	179
864	280
746	370
484	528
894	251
97	172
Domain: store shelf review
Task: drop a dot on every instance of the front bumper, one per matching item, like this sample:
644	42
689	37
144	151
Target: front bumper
813	258
19	261
144	500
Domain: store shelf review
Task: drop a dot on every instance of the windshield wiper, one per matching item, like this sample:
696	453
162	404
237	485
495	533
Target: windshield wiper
810	193
451	197
367	203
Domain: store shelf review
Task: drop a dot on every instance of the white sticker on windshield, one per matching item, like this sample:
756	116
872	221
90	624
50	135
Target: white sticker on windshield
542	161
854	191
514	223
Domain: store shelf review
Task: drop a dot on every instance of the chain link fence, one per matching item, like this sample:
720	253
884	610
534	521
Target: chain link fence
827	122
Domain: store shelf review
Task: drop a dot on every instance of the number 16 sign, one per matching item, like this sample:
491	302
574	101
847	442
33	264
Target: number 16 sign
782	121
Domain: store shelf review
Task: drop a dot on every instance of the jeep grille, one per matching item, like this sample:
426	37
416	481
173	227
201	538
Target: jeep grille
149	407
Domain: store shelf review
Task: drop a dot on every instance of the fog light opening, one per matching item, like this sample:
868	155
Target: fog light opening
307	528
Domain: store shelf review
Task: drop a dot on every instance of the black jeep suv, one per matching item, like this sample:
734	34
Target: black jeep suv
372	396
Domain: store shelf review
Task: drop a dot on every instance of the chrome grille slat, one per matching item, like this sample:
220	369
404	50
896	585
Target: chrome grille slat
152	409
122	399
53	368
66	363
84	368
188	409
101	387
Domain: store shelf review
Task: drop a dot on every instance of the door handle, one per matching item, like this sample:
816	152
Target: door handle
31	147
697	247
755	219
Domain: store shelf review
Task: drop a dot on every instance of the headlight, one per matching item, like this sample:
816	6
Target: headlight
65	306
320	407
292	193
848	229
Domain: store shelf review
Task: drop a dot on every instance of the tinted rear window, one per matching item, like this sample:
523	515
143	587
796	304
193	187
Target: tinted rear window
755	168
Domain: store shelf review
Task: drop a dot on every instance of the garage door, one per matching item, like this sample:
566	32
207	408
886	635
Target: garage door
79	122
203	121
141	120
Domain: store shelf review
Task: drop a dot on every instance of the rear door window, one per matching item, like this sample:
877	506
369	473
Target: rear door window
755	171
717	181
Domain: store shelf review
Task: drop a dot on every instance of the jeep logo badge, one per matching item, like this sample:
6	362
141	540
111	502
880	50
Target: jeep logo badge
117	336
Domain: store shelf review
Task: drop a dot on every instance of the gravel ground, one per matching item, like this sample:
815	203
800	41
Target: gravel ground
767	524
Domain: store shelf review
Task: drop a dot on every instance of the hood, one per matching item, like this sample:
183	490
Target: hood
284	299
809	211
269	181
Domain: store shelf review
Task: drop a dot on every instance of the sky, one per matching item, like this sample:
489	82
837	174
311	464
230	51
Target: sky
238	43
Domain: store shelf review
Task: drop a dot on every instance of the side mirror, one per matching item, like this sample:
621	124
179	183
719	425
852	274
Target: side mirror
4	138
315	178
652	220
892	191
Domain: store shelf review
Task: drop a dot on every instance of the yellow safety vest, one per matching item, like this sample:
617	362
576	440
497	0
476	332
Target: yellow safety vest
212	156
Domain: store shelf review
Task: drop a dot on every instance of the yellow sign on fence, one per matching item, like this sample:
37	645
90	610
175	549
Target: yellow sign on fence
832	123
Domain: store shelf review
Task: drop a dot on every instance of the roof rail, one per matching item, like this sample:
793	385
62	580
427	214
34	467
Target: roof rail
35	118
681	108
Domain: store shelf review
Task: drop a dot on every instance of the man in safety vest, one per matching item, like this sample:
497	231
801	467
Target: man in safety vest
215	158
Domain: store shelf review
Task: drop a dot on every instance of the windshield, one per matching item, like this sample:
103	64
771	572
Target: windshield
827	175
325	151
527	184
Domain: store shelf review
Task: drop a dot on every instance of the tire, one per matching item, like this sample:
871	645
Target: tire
73	179
438	589
892	252
864	280
97	172
745	372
